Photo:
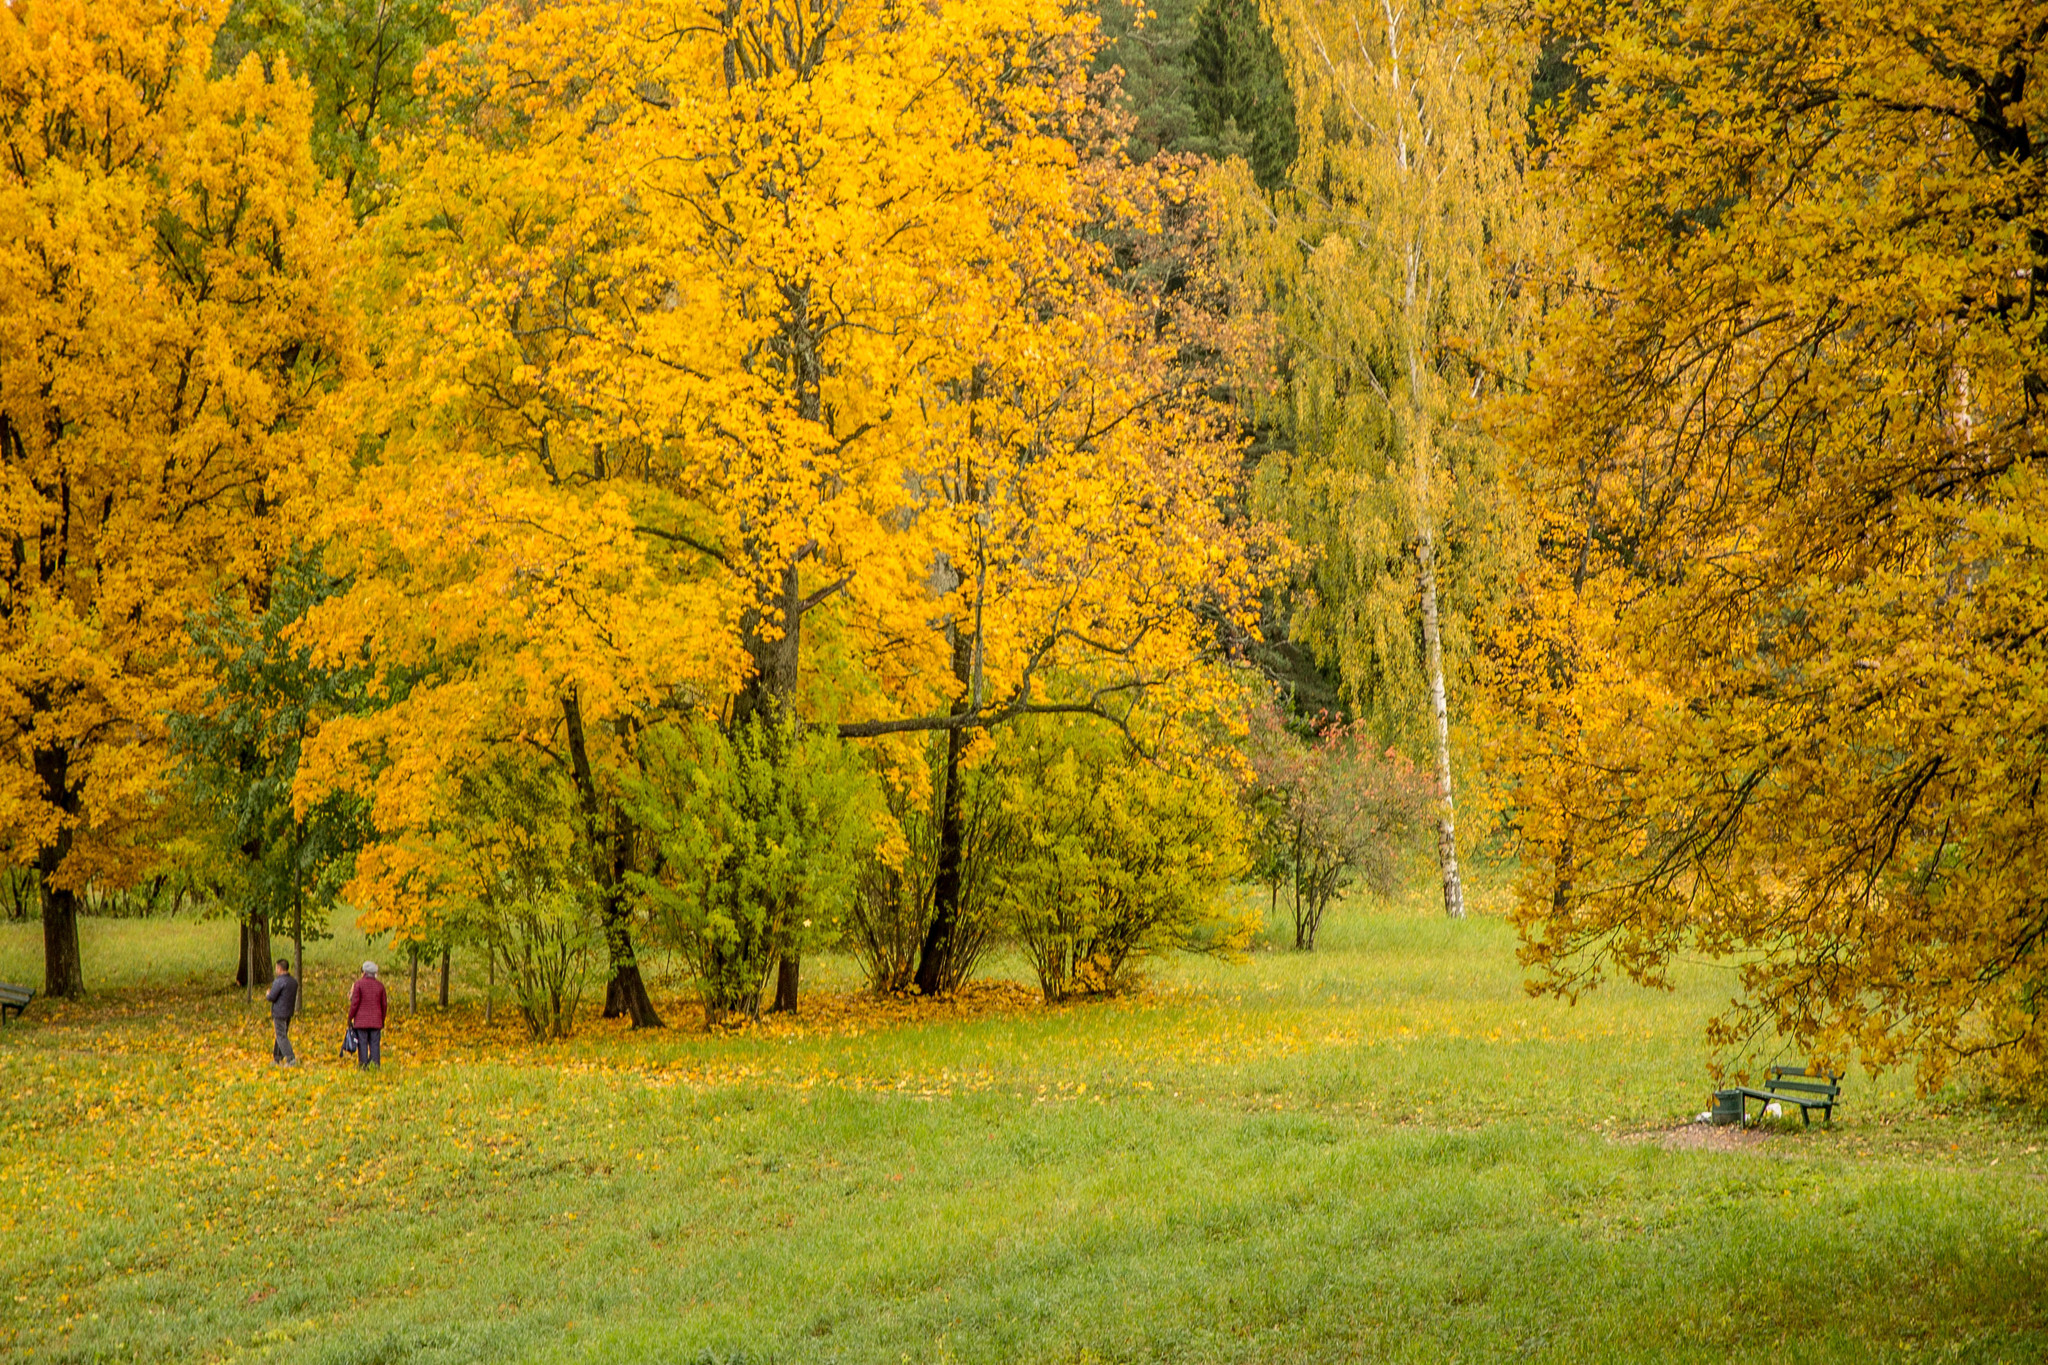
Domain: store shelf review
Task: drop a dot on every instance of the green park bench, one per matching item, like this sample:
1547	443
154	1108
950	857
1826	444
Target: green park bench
13	1000
1791	1085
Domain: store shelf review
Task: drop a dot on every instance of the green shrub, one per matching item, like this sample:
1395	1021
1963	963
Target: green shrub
894	896
1329	812
758	839
1105	858
531	900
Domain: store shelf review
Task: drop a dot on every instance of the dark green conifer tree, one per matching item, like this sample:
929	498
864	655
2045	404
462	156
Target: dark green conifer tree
1240	89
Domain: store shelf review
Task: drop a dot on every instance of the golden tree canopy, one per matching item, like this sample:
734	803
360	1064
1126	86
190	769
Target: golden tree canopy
1785	689
750	356
167	276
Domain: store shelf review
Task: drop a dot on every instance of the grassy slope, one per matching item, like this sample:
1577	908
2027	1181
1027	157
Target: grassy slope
1382	1151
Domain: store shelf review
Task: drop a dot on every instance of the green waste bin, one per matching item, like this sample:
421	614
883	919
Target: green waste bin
1728	1106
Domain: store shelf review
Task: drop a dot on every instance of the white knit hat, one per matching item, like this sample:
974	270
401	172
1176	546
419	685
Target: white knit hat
369	969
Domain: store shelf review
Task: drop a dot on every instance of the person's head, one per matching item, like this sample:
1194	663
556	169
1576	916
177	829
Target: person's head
283	965
369	969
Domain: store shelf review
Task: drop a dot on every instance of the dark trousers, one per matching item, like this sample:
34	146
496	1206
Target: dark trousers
281	1050
367	1051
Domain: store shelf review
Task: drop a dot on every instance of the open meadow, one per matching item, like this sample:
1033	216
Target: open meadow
1381	1151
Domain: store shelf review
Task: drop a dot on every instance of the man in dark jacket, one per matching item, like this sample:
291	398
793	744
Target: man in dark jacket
284	1003
366	1016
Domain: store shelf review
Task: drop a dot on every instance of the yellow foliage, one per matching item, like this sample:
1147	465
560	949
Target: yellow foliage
737	366
1781	687
167	278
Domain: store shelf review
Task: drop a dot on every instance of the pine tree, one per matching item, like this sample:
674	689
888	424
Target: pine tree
1202	77
1240	88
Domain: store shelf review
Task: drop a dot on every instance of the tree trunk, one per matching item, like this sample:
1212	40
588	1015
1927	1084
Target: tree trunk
490	984
444	978
934	958
254	966
1446	822
259	944
770	690
625	996
63	970
626	993
1301	934
255	952
785	984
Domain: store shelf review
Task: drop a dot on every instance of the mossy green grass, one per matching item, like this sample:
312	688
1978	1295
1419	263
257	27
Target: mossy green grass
1384	1150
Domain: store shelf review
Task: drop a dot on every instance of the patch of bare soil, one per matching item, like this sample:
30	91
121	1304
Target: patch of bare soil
1697	1137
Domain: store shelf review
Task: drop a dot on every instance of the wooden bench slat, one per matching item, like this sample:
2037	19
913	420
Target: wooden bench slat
1796	1084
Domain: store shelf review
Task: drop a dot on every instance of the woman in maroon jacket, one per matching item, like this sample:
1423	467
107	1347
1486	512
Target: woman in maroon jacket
366	1015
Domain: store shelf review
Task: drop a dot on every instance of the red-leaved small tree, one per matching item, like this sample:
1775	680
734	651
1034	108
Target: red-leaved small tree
1334	810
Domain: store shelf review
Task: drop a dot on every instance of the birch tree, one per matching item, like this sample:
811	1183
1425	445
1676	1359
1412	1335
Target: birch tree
1390	262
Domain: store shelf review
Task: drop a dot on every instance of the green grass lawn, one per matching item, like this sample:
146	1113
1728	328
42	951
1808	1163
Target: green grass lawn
1381	1151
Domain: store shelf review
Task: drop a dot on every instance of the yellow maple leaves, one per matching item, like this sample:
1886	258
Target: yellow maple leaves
1786	696
172	338
764	364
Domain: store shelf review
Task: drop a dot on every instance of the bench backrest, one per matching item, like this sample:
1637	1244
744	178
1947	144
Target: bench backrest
1795	1080
16	995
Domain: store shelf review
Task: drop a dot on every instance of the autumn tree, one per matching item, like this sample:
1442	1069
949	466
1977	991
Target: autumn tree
1329	810
167	279
751	366
1783	674
1391	260
359	57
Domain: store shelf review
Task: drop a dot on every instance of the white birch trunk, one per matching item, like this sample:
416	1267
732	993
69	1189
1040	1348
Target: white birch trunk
1446	818
1423	450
